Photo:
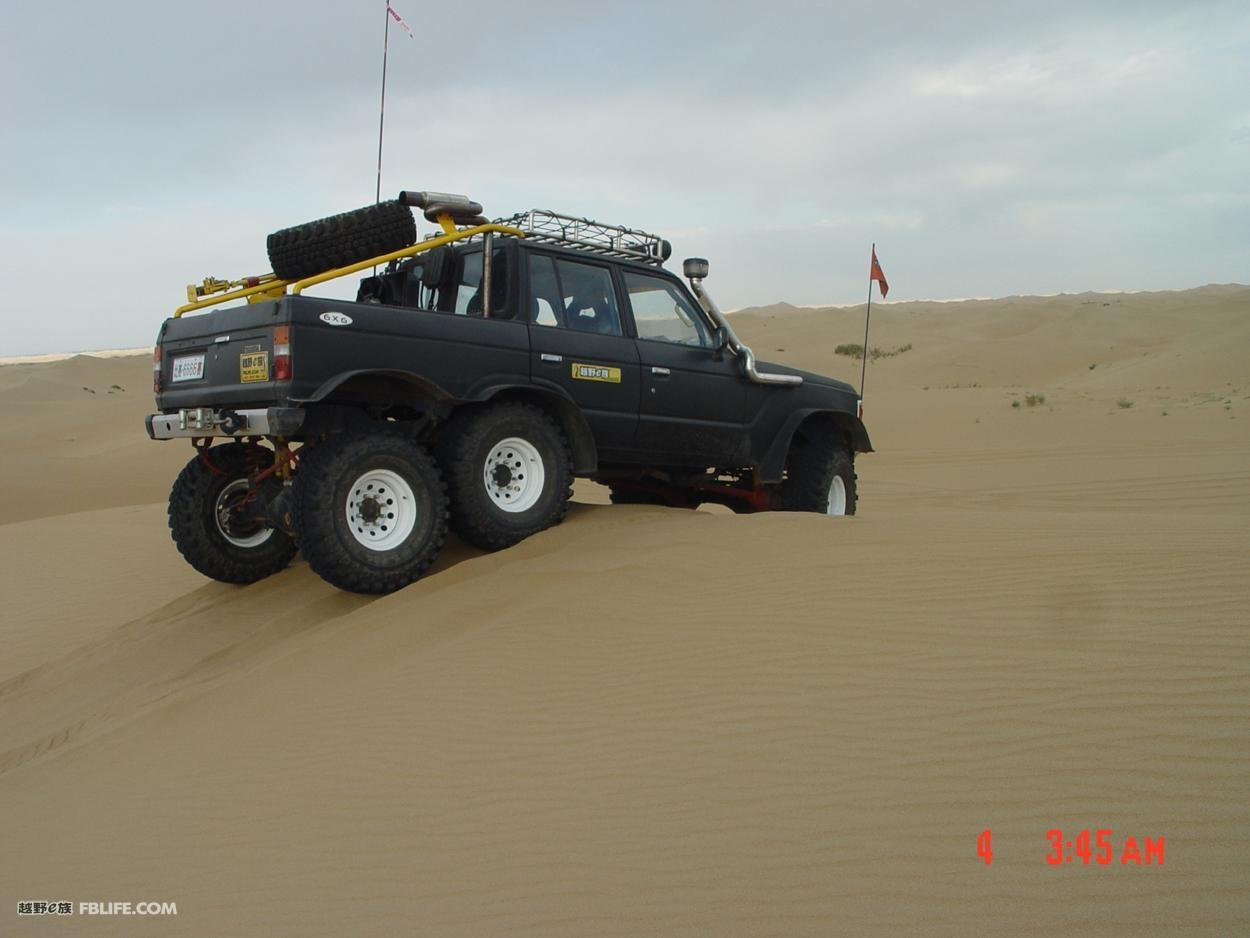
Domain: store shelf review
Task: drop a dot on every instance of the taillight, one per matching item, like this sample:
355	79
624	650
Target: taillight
281	353
156	370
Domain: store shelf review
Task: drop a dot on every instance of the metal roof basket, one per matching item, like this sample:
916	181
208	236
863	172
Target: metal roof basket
589	235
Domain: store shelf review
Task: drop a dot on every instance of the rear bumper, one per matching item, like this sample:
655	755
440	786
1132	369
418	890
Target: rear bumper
207	421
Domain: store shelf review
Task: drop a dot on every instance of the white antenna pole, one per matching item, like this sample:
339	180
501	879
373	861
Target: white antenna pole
386	35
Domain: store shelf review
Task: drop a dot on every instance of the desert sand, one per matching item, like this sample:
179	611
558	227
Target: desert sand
662	722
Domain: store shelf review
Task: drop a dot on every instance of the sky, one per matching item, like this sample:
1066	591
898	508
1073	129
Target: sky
987	148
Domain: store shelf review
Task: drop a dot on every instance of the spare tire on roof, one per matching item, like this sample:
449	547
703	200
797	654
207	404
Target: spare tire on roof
347	238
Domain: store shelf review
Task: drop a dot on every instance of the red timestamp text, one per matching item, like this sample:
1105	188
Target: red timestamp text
1098	846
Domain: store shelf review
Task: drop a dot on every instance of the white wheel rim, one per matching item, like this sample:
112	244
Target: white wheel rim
514	475
381	509
221	514
837	497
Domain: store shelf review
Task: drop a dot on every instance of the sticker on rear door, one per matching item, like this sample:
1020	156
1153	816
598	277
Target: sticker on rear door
603	373
253	366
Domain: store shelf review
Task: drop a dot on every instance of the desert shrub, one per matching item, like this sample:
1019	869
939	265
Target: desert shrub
855	350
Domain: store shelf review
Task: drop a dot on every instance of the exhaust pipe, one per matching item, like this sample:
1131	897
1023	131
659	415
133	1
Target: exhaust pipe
460	207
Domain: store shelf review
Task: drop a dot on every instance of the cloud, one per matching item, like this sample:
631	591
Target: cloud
987	147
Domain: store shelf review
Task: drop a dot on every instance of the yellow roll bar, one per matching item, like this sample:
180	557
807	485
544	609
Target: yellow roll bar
276	288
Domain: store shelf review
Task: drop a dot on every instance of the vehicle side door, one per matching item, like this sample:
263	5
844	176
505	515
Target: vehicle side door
578	345
693	397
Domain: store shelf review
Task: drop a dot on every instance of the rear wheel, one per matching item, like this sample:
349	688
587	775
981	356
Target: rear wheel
213	520
370	510
509	473
820	478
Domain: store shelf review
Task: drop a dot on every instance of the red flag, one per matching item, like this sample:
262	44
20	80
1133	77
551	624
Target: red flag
877	274
399	19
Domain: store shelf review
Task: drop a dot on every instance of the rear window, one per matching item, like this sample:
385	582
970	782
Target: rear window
466	290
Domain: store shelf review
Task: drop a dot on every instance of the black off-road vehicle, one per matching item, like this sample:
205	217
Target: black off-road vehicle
478	371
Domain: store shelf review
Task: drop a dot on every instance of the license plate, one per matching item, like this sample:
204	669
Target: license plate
189	367
253	366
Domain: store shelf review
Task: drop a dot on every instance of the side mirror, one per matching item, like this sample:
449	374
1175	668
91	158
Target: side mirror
694	268
720	342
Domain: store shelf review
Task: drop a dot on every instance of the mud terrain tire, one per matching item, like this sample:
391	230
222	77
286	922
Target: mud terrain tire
339	240
370	509
200	521
509	473
820	478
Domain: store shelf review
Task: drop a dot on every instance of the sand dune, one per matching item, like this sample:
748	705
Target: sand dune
652	721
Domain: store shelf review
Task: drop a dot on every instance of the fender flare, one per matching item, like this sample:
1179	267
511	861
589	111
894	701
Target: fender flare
851	428
423	386
556	402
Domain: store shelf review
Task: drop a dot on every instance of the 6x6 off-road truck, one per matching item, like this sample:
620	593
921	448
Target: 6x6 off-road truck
479	371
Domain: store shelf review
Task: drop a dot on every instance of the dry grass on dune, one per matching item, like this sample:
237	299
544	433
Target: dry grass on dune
650	721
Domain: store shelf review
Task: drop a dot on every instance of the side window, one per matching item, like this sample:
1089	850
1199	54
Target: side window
467	299
412	293
546	307
468	283
574	296
662	313
589	300
545	315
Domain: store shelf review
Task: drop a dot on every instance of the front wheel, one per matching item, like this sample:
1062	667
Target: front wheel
509	472
213	517
820	478
370	510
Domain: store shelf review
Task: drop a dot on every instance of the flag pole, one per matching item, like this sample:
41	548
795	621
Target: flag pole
867	315
386	35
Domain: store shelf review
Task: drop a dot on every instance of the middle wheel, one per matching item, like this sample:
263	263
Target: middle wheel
370	510
508	473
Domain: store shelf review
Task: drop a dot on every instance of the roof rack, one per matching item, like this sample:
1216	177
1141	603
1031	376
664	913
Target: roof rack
614	240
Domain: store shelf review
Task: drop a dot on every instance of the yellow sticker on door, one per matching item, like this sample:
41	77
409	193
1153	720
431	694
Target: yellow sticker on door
596	373
253	366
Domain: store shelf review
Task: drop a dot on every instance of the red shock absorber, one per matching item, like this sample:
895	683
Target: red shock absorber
258	458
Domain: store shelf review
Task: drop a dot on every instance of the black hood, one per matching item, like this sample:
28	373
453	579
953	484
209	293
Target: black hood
808	377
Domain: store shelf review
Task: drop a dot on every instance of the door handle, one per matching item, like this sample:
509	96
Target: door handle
657	370
548	357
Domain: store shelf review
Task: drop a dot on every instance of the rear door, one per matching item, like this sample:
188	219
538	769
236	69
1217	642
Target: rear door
693	401
223	358
578	346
